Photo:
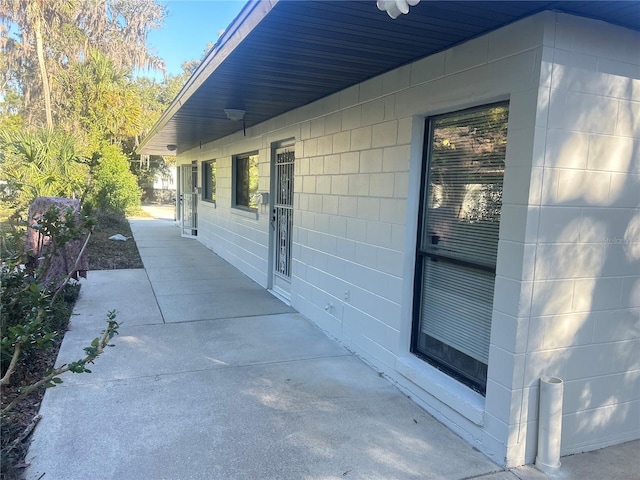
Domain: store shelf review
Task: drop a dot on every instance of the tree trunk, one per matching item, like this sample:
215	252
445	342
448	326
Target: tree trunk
46	92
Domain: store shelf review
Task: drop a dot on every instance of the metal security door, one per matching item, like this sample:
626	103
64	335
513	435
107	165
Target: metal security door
282	220
189	200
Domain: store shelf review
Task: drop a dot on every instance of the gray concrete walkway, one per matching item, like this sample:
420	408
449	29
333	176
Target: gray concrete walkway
213	378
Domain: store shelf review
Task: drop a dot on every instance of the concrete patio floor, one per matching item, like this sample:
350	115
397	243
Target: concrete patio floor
214	378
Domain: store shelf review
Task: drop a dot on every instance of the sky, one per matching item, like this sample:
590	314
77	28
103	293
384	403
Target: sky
189	26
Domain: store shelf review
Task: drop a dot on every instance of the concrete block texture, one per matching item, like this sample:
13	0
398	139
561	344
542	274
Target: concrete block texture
385	134
585	255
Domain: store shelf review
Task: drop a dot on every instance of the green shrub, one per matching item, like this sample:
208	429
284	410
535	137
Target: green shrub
40	163
114	189
32	312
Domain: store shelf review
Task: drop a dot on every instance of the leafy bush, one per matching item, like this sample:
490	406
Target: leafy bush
25	308
34	313
114	189
43	163
40	163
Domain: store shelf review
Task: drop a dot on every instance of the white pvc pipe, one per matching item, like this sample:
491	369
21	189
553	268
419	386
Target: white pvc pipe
549	424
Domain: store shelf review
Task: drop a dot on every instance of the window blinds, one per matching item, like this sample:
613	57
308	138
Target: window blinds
459	238
456	307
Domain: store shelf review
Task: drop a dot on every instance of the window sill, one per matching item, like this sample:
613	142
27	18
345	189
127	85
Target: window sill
252	214
210	203
452	393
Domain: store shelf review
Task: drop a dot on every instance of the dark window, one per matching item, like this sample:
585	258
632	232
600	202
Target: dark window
209	181
245	170
458	240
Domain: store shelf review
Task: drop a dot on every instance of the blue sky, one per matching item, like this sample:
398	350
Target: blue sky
189	26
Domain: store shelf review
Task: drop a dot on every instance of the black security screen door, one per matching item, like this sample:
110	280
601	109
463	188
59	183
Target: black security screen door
283	210
282	190
189	199
458	240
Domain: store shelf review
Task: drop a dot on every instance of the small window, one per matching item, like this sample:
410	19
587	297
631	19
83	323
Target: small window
209	181
245	171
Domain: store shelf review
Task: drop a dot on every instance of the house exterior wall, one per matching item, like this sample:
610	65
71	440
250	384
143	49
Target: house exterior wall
358	164
580	285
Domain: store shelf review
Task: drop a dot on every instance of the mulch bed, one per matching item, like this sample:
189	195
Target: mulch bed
105	254
21	418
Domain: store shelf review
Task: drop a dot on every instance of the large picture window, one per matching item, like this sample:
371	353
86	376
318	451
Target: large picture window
245	181
209	181
458	240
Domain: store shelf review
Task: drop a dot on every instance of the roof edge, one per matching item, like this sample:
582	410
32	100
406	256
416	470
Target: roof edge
241	26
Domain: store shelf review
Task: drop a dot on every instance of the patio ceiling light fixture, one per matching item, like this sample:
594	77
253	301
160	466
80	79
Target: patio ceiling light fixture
171	147
236	115
395	7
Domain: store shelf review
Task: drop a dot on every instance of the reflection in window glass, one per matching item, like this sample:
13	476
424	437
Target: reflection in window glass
209	180
246	181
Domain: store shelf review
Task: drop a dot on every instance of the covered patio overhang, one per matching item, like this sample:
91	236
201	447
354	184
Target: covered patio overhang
278	55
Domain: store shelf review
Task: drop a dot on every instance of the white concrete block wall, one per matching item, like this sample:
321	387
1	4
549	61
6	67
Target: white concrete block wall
358	164
584	320
352	182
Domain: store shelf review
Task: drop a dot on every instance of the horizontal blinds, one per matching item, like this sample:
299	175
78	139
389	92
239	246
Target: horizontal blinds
464	193
456	307
460	228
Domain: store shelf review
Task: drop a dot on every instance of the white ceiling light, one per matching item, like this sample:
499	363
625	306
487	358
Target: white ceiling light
234	114
395	7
